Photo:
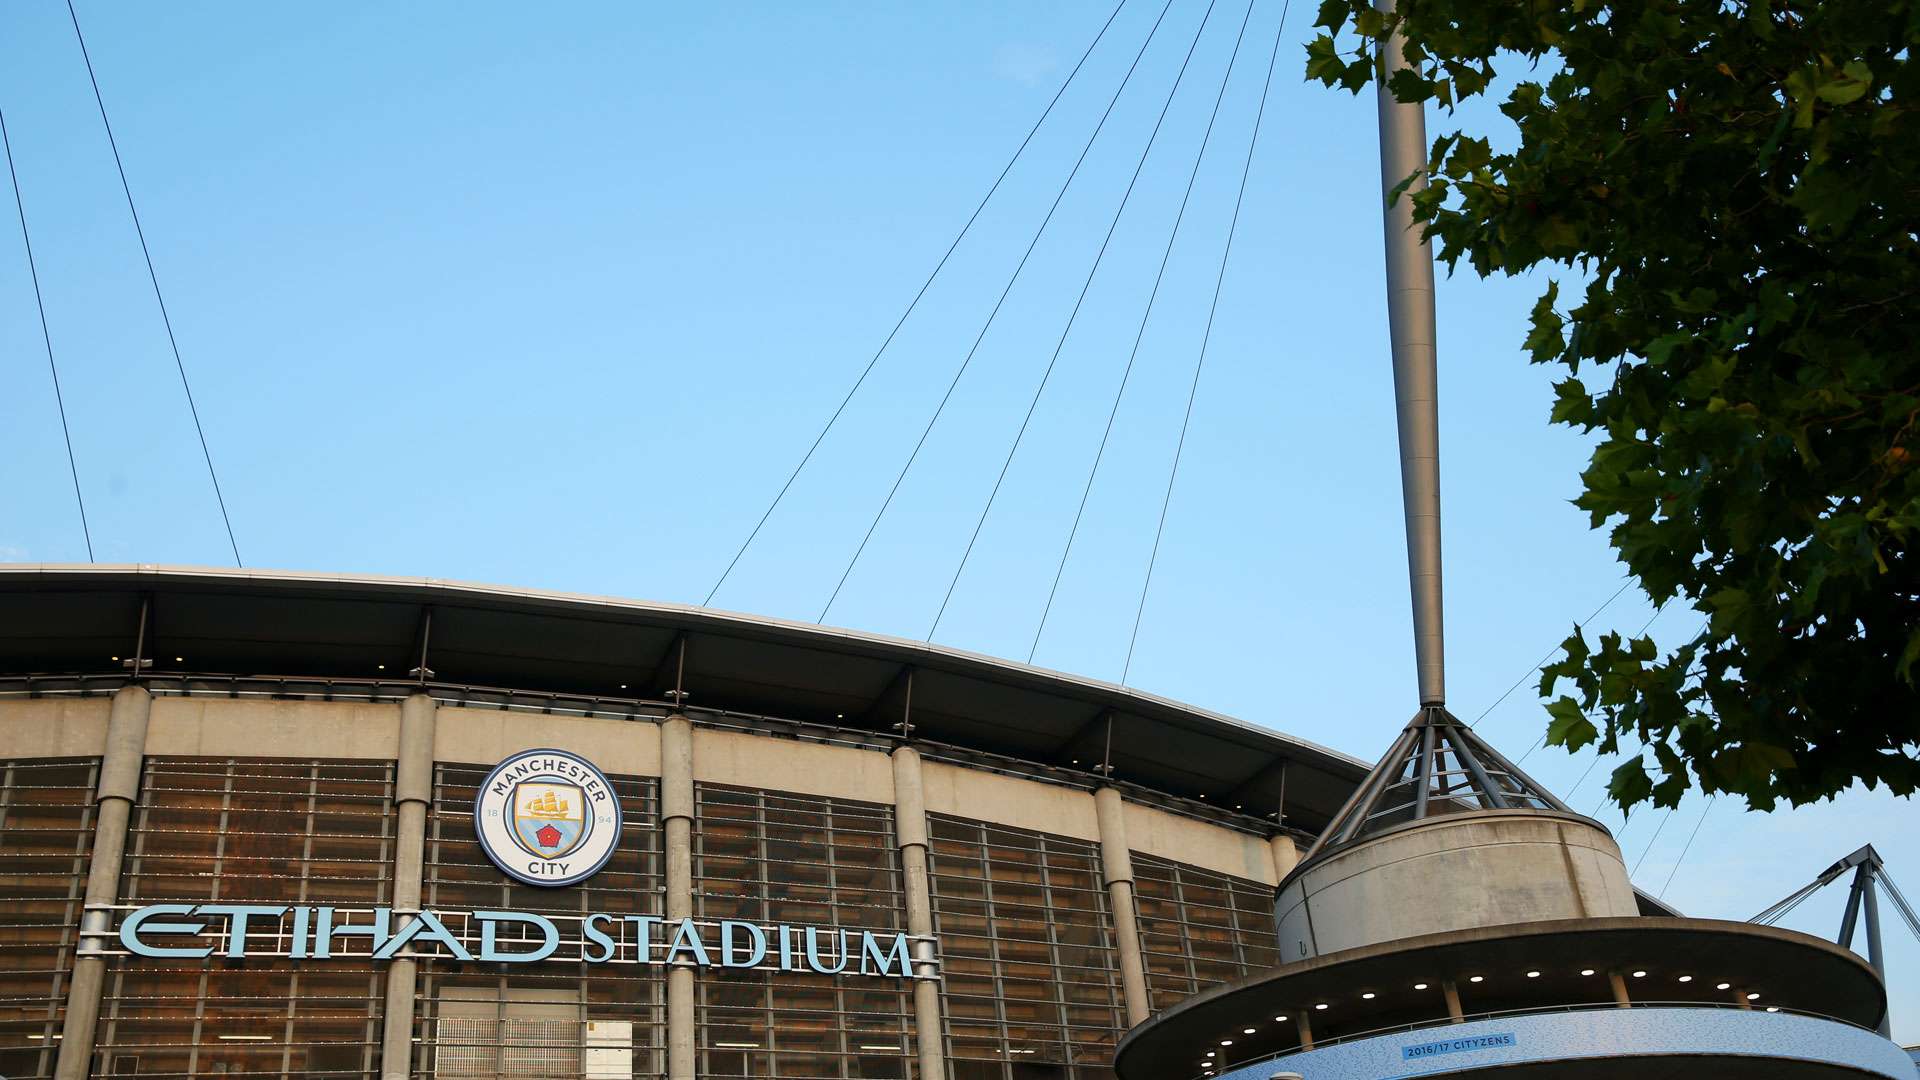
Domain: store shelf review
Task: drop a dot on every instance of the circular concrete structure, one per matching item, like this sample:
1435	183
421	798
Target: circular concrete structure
1458	872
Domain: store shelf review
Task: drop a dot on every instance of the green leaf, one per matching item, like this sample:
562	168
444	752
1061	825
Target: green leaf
1708	377
1727	607
1571	405
1544	340
1323	60
1630	783
1849	85
1409	86
1333	14
1660	350
1569	727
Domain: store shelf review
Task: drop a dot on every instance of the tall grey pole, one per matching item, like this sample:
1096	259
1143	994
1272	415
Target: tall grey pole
910	830
412	795
1410	315
118	788
1874	955
676	816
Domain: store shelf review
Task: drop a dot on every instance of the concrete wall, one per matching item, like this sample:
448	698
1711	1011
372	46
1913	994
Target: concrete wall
1009	800
485	736
738	759
243	727
54	727
1454	873
1153	831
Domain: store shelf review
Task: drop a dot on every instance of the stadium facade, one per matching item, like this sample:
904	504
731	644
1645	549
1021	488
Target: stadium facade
238	835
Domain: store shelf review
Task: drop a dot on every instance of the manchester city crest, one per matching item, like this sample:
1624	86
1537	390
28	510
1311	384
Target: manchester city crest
547	817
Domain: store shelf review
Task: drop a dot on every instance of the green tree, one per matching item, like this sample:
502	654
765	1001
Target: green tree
1735	186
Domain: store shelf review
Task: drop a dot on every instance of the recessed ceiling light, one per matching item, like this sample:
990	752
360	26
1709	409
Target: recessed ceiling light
1246	1031
1226	1042
1210	1053
1753	997
1477	978
381	667
116	658
1639	974
1280	1019
1419	986
1321	1006
623	686
1533	974
181	660
1686	978
1723	986
1368	996
1770	1008
1586	971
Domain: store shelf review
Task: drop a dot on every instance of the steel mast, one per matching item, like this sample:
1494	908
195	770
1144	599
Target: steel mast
1412	325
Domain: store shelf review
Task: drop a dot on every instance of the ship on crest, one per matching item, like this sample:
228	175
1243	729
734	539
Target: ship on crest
548	804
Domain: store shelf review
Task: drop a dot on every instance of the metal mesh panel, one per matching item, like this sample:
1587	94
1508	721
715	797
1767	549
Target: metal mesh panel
779	857
1199	928
268	830
46	836
1031	980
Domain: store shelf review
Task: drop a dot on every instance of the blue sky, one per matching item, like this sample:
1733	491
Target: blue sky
559	301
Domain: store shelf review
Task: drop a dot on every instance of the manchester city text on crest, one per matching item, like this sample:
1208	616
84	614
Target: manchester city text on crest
547	817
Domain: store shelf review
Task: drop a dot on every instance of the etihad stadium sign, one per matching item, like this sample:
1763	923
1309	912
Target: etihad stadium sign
544	817
308	932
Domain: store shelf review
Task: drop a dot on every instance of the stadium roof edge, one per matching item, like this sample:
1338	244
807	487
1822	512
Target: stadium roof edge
60	619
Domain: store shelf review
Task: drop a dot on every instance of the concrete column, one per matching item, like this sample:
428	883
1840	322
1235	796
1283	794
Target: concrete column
910	831
1619	985
1286	856
1116	866
676	814
1305	1027
118	786
412	793
1451	991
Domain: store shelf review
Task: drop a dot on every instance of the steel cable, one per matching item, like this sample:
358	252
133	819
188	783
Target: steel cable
154	277
994	313
914	304
1206	338
46	336
1126	374
1087	286
1543	660
1688	846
